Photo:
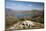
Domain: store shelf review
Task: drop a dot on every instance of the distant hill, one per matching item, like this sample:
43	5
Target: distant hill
37	12
10	12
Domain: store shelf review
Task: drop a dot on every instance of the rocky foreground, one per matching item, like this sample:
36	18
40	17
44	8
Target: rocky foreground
26	25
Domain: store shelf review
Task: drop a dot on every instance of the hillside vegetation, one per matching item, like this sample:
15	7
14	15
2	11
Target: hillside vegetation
37	17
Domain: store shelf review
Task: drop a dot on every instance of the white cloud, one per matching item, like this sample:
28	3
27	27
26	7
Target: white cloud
30	5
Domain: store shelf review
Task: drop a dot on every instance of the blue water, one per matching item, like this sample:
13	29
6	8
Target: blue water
23	15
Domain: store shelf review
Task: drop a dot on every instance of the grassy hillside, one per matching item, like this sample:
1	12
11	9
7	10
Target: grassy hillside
37	16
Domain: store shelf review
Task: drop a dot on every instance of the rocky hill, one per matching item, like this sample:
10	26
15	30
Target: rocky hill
26	25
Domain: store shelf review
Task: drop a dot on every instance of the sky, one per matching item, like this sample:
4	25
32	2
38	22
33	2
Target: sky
20	5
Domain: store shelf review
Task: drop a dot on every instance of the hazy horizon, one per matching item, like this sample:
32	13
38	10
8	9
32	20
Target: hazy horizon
23	6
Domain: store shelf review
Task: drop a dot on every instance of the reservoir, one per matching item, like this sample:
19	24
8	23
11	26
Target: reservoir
19	15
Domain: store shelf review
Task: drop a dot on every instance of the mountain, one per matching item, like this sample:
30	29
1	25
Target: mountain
9	12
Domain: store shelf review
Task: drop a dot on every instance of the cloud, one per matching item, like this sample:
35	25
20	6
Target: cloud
30	5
